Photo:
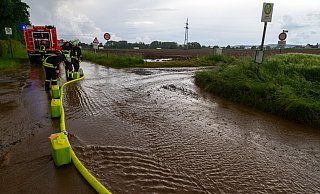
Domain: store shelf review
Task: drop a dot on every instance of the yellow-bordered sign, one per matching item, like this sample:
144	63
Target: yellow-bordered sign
267	12
8	30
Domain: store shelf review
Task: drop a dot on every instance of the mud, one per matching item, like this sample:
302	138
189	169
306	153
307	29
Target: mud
151	131
26	165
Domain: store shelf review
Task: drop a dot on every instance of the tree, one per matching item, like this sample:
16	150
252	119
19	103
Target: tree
194	45
16	15
155	44
169	45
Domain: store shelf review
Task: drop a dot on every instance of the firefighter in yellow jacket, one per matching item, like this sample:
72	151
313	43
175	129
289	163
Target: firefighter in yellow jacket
50	64
76	56
42	50
66	50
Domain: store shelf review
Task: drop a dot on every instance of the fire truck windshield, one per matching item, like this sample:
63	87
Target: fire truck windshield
41	38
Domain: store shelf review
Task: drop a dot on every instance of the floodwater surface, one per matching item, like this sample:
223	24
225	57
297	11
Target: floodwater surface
154	131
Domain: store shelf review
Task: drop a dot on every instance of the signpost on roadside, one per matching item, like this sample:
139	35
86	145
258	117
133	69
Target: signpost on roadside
282	39
107	37
266	17
95	44
9	33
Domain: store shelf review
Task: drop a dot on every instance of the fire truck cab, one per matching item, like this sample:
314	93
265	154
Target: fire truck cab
35	36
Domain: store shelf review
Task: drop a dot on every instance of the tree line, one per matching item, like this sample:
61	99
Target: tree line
141	45
13	14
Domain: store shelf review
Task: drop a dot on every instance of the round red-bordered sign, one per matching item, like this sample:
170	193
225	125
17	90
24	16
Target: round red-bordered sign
282	36
107	36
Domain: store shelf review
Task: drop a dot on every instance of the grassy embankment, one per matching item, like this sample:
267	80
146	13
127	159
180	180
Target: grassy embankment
287	85
20	56
128	61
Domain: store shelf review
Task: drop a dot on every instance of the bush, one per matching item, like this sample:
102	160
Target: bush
17	48
19	54
4	48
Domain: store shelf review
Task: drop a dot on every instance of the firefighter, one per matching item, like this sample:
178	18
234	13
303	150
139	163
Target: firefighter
42	50
76	56
51	64
66	51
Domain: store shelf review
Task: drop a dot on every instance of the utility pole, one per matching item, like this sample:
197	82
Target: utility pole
186	35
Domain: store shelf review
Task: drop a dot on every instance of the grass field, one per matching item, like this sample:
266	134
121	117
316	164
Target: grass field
287	85
112	60
129	61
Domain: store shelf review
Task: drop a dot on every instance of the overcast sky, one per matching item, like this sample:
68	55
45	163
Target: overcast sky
211	22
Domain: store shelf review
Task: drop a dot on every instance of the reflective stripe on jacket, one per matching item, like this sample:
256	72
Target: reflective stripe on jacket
66	53
75	55
46	64
42	48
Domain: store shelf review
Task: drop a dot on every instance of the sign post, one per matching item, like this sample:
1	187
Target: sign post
9	33
95	44
282	39
107	37
266	17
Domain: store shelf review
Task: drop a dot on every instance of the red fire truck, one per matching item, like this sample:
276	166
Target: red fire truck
35	36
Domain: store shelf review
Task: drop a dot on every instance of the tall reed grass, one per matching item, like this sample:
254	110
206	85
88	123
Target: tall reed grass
287	85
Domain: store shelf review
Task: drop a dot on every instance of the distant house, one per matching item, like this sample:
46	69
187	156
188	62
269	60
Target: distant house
312	46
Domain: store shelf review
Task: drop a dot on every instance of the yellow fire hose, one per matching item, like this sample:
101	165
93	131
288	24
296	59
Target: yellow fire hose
84	172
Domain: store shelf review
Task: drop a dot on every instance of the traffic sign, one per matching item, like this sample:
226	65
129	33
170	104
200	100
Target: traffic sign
259	57
95	41
281	43
107	36
267	12
282	36
8	30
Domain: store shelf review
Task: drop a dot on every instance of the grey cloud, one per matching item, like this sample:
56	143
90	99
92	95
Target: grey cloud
153	9
211	21
302	28
290	23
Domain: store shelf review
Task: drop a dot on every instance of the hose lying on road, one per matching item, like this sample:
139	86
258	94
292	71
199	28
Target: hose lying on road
85	173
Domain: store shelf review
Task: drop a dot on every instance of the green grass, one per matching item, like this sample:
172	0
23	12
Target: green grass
287	85
20	56
128	61
112	60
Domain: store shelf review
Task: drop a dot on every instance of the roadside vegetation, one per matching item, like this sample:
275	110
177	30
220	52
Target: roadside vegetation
13	14
287	85
112	60
130	61
20	56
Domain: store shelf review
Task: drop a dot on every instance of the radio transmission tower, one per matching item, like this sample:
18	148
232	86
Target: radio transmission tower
186	35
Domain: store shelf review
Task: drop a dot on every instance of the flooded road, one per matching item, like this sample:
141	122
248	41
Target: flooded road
154	131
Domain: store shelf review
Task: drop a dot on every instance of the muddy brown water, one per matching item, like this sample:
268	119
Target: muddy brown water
150	131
